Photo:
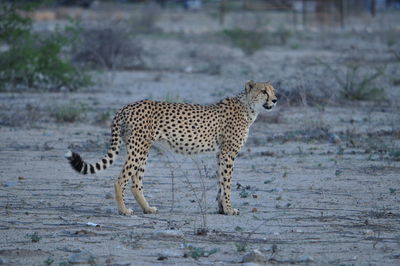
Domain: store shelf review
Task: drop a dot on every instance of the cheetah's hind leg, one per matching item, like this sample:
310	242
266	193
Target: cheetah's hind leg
120	186
136	165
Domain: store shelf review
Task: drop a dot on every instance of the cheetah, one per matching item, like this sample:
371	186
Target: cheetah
187	129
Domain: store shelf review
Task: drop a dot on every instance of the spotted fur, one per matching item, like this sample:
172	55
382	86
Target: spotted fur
187	129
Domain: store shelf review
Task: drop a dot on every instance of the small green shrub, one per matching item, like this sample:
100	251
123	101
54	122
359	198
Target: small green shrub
31	60
49	261
355	85
251	41
197	252
244	193
241	246
283	34
69	112
34	237
247	40
395	154
391	38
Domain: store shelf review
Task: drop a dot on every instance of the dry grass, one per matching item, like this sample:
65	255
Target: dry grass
69	113
109	46
25	116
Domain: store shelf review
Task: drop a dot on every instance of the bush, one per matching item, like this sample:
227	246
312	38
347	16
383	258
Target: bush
355	85
282	35
394	154
108	47
247	40
301	95
251	41
69	112
300	90
31	60
197	252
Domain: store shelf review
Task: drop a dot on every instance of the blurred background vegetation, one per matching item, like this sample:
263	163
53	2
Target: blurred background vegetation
56	45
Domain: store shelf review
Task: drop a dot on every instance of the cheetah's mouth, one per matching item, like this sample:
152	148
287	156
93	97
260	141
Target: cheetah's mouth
266	106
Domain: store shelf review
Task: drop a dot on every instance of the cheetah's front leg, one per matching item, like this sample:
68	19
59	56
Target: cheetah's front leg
225	162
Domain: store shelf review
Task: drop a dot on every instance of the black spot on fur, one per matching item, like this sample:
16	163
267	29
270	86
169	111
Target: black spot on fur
92	169
97	166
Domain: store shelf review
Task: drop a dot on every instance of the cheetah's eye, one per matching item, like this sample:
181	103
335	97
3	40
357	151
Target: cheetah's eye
265	92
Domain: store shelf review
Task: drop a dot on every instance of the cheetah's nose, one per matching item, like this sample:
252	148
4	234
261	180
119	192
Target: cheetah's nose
266	106
274	100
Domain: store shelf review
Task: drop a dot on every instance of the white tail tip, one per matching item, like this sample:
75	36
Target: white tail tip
68	154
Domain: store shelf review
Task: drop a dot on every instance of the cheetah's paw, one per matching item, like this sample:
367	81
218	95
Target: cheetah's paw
231	211
150	210
126	212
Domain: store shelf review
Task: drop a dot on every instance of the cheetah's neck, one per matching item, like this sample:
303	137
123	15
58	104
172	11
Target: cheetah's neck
252	108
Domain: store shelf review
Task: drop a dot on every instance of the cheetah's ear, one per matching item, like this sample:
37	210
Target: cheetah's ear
249	85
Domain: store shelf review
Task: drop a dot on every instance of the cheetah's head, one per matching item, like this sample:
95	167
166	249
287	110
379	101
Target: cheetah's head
261	94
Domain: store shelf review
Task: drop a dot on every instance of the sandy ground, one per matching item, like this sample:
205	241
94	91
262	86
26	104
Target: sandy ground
314	184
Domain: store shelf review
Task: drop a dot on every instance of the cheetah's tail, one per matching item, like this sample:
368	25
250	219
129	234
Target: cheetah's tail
83	167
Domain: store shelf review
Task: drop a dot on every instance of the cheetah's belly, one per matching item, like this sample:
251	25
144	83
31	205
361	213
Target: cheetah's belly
187	148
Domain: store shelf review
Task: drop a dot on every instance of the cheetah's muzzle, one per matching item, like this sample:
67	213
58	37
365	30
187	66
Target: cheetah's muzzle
266	106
